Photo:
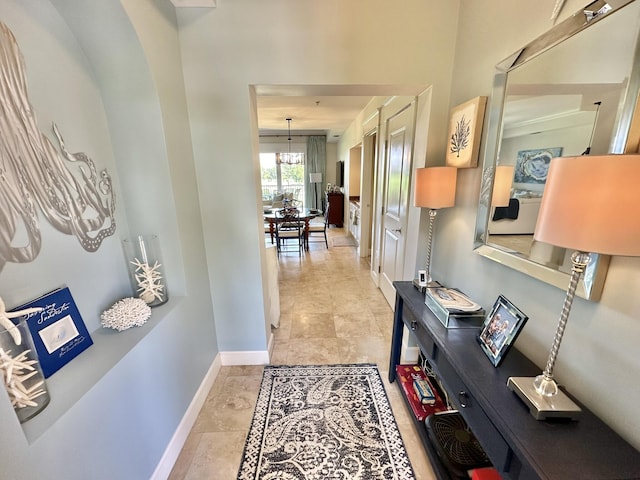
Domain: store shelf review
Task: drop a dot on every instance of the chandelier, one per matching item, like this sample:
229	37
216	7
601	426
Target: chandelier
289	158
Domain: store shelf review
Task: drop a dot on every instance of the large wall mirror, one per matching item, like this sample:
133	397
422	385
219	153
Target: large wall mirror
572	91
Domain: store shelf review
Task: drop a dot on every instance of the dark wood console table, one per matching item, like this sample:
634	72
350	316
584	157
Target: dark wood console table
519	446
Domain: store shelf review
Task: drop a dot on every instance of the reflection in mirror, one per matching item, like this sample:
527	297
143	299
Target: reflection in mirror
574	98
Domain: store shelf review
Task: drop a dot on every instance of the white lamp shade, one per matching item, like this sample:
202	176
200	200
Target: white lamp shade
315	178
502	182
435	187
592	204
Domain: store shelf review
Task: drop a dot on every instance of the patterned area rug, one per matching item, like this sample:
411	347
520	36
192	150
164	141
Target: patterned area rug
343	241
324	422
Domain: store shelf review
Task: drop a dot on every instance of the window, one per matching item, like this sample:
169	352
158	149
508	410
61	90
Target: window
281	177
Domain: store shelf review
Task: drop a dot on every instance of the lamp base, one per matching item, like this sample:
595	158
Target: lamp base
542	408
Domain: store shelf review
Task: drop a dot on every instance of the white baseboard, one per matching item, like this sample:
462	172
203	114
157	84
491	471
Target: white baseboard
259	357
171	453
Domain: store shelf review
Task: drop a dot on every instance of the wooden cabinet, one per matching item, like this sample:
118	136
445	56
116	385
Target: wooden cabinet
519	446
335	209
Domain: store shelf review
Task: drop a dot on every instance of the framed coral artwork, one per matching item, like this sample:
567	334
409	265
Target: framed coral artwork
465	130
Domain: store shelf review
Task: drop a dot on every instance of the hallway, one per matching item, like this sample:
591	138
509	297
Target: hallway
331	312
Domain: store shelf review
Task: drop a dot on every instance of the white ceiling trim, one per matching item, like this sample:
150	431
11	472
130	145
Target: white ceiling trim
195	3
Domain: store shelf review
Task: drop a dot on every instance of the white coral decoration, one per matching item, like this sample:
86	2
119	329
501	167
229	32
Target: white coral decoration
126	313
149	281
15	371
9	325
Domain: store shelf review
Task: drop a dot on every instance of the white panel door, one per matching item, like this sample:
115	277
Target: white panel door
395	198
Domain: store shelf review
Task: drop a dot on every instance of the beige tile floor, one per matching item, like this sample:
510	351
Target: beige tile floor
331	312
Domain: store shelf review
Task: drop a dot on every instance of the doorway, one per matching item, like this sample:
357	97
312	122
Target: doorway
369	159
390	257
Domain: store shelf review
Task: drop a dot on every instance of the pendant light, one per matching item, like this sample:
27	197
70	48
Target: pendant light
289	158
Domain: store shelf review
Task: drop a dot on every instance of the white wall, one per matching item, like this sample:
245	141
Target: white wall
251	42
332	160
571	140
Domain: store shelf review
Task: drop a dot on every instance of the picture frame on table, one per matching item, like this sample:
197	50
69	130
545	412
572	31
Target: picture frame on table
500	329
465	131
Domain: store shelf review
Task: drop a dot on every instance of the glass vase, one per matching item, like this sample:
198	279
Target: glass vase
21	372
146	269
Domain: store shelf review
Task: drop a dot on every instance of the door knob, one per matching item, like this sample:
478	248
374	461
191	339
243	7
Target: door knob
399	230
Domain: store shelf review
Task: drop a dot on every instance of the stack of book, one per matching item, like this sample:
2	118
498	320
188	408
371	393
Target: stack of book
423	398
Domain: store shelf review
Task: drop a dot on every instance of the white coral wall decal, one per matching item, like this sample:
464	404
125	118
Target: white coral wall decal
33	173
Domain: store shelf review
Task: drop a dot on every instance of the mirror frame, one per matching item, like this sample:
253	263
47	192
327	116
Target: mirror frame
592	282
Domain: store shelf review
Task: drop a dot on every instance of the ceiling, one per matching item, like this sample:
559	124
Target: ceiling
194	3
315	115
318	109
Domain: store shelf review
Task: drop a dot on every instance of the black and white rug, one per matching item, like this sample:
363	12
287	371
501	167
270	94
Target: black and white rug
323	422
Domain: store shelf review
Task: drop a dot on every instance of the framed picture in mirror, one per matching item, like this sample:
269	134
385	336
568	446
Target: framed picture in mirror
532	165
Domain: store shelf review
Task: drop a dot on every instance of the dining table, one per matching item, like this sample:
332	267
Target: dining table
306	214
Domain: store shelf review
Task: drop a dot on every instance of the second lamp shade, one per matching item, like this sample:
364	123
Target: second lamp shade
435	187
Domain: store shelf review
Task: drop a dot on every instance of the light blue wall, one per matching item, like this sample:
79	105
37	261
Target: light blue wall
64	91
112	82
183	154
451	46
283	42
598	361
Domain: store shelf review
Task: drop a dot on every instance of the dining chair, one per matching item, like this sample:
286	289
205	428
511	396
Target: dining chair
317	225
289	228
267	233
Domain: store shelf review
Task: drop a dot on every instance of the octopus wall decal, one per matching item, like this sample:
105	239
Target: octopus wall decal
64	186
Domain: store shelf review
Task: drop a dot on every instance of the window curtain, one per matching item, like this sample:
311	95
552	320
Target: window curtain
315	162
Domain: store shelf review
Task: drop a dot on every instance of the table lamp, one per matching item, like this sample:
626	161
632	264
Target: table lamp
590	204
502	182
435	188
